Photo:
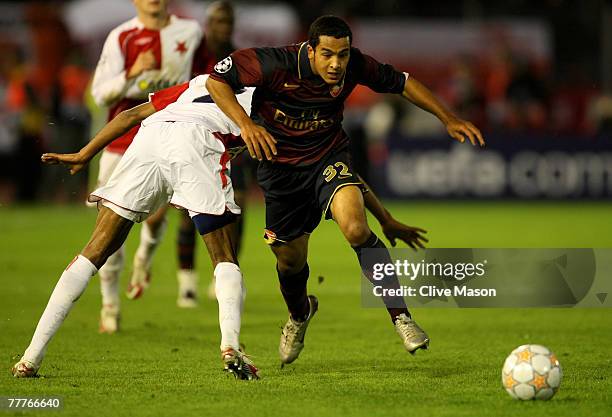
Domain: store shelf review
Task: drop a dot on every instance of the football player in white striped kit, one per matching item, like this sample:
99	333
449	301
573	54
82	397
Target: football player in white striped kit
149	52
180	156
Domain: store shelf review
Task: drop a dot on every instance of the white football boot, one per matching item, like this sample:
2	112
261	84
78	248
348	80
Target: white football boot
109	319
238	364
187	288
292	336
24	369
140	279
412	335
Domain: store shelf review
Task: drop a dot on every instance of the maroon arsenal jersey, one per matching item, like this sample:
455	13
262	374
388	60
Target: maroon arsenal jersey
301	111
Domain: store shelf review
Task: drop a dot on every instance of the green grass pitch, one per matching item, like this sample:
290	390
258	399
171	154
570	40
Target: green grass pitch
166	360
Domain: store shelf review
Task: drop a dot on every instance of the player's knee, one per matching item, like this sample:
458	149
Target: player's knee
96	254
102	245
290	266
356	233
208	223
222	256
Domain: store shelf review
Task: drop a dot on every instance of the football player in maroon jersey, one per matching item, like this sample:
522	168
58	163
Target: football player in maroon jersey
298	102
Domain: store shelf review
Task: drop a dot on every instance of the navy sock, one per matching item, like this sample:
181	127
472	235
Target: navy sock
395	305
186	245
293	288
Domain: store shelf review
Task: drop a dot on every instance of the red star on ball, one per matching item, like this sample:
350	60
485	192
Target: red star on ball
181	47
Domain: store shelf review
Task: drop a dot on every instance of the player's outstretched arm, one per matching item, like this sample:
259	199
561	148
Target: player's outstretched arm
258	140
458	129
123	122
393	229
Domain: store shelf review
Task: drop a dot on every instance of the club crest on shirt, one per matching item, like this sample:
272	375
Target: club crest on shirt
143	41
224	66
181	47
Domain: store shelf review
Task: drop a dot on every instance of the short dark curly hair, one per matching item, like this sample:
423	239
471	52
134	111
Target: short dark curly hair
328	25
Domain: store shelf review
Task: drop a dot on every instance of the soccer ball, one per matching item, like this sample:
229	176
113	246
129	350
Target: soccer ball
531	372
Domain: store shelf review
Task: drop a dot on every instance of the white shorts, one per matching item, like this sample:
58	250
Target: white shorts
107	164
170	162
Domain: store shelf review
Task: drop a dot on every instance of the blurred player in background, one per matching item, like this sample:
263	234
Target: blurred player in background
299	101
152	51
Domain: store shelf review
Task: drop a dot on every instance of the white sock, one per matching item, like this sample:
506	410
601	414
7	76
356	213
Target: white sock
229	288
187	281
243	297
109	277
68	289
149	241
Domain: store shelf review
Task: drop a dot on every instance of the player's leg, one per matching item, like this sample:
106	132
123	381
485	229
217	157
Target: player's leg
187	276
292	269
109	288
238	175
135	189
218	233
291	215
348	210
293	272
110	232
151	233
188	279
199	183
111	270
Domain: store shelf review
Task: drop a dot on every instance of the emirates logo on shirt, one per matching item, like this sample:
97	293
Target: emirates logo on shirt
224	66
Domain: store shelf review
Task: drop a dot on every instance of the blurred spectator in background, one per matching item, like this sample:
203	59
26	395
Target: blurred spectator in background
462	90
516	96
520	70
217	41
69	130
33	93
11	66
527	98
600	113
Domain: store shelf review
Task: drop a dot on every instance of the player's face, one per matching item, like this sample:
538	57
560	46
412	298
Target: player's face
220	26
330	58
151	6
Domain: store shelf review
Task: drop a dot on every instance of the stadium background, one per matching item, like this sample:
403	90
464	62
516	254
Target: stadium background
535	76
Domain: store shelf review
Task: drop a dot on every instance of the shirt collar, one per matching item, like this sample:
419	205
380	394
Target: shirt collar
304	69
140	25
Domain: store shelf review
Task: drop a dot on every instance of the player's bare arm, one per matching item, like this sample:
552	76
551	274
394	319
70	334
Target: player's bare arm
258	140
392	228
457	128
112	130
